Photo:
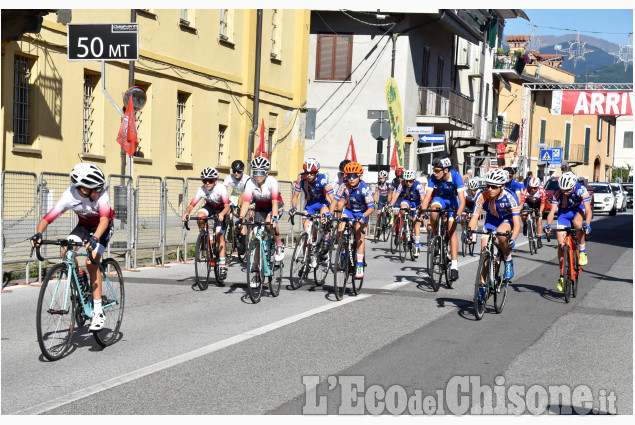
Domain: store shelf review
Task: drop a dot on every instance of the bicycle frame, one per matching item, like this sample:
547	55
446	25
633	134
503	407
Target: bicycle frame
257	233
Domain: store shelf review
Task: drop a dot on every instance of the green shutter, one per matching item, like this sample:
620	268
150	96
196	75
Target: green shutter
567	138
486	98
493	30
543	130
587	143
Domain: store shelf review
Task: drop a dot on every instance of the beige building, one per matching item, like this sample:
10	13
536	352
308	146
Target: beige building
198	69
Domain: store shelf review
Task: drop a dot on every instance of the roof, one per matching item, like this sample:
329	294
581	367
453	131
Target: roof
555	67
511	13
518	38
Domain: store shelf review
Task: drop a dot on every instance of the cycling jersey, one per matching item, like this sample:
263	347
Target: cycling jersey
383	189
262	195
571	201
393	187
469	199
216	199
514	186
449	188
359	199
505	206
537	198
235	186
412	194
316	191
338	180
88	211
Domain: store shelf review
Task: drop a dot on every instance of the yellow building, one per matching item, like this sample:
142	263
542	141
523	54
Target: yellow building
198	69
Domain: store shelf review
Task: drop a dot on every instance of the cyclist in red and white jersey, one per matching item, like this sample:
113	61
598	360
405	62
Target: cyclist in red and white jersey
533	197
216	201
88	199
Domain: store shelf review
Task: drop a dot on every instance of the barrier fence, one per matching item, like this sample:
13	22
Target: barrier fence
147	219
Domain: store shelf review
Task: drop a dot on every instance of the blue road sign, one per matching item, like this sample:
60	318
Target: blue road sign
432	138
556	156
546	155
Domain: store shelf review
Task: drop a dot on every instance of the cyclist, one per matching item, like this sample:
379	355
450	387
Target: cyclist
512	184
413	195
217	202
88	199
235	184
450	193
381	190
534	197
339	178
572	201
470	196
392	197
355	199
263	188
502	215
318	193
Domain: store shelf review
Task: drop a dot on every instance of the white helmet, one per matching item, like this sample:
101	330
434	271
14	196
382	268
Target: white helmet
534	182
87	175
311	165
567	181
209	173
473	184
260	163
497	177
383	174
506	174
409	175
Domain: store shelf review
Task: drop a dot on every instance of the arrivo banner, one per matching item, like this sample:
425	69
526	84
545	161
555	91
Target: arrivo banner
595	102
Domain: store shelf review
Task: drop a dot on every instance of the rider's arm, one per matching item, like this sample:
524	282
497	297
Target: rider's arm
478	207
294	199
461	195
197	197
102	227
516	229
588	212
552	213
426	200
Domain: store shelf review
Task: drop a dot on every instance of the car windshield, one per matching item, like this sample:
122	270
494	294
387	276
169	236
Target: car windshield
600	189
615	188
552	185
629	189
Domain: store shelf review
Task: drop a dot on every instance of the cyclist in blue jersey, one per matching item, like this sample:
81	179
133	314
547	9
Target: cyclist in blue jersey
413	195
512	184
502	215
450	193
355	199
573	202
393	198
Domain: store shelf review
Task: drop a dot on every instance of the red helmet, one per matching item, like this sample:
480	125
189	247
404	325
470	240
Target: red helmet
399	172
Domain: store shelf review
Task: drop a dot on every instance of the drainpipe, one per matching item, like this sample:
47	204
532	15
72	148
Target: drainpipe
254	126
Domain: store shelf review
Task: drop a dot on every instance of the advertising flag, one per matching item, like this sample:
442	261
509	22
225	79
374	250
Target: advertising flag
127	136
393	100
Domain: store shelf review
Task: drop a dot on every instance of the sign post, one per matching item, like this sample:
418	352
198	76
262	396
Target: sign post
380	131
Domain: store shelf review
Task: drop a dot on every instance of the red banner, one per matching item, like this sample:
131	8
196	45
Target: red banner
127	136
393	161
261	150
594	102
350	152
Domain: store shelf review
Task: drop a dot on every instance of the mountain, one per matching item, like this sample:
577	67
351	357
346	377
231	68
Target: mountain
611	73
605	45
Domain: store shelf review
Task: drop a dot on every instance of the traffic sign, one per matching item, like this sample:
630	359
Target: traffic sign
545	155
380	129
420	130
542	145
432	138
103	42
377	114
556	156
430	149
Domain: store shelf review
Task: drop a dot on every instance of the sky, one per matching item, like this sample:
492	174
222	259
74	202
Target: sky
603	22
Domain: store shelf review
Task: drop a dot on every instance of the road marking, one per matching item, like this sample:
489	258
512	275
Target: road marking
165	364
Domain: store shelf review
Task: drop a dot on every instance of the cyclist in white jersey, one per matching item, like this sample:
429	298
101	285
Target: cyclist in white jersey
88	199
216	201
235	183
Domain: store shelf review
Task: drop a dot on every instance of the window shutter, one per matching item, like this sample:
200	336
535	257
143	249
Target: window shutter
325	63
567	138
543	130
342	68
587	142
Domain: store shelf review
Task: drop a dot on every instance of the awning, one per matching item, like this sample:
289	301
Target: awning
457	26
511	13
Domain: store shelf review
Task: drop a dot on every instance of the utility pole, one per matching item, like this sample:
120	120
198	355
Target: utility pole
254	125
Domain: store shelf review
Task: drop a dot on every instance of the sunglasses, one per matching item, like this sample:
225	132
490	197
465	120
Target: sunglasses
492	186
437	170
410	181
312	173
237	171
209	181
98	189
352	176
259	172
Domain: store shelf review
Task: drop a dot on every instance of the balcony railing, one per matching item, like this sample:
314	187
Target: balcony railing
476	133
445	102
576	154
509	62
502	130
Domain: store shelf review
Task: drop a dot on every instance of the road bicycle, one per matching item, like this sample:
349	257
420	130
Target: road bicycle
344	261
233	237
466	247
66	301
261	263
382	226
570	268
395	233
406	240
307	252
206	254
439	257
531	230
491	269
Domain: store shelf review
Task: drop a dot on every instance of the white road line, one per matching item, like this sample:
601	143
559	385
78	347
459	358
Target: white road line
113	382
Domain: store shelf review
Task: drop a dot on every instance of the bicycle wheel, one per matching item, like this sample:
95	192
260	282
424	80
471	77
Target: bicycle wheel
401	247
437	264
55	313
299	269
568	283
446	266
201	262
255	274
240	250
378	227
430	255
275	280
324	264
500	284
577	270
411	246
483	266
112	301
464	246
394	235
357	282
216	265
531	237
385	227
341	268
230	243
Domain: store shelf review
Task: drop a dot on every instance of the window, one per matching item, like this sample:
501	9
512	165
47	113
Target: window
21	101
221	144
334	57
275	34
628	139
608	139
599	129
226	24
425	67
90	83
567	140
440	65
587	143
269	142
187	17
486	100
180	124
543	129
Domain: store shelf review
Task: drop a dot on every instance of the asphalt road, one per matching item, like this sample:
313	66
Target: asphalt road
183	351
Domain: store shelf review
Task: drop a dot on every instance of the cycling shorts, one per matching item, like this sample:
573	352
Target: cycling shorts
565	217
493	222
446	204
314	208
261	214
82	232
209	211
411	204
350	214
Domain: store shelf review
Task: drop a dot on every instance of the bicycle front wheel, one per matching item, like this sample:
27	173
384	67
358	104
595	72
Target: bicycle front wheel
299	269
402	244
385	227
201	262
341	268
324	264
112	301
394	235
480	302
500	284
275	280
357	282
230	243
436	262
255	273
464	246
55	313
566	252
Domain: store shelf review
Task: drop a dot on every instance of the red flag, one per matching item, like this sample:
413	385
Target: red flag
127	136
350	152
262	146
393	161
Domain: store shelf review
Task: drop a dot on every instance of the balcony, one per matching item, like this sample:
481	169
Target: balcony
576	155
503	130
481	131
445	109
510	64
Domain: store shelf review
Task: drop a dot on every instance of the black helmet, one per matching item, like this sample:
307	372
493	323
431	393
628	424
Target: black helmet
238	165
442	162
510	170
343	163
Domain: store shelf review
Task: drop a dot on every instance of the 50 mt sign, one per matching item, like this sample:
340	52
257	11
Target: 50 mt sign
103	42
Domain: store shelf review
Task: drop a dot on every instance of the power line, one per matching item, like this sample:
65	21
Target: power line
575	30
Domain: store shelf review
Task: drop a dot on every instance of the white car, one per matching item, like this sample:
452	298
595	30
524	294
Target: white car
620	196
603	198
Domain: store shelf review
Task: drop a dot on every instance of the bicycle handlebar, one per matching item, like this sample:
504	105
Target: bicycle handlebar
60	242
208	218
507	234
